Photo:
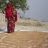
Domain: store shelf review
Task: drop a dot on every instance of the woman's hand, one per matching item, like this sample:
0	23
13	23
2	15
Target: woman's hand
16	22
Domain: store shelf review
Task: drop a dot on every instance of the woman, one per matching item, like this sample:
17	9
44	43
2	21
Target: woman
14	13
9	17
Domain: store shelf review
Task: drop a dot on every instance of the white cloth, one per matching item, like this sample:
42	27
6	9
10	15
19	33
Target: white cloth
7	1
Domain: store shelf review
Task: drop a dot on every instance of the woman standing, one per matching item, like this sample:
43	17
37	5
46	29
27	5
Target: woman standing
10	18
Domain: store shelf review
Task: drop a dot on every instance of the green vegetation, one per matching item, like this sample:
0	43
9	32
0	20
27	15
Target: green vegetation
18	3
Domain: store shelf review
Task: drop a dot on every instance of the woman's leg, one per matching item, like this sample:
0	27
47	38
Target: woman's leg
13	26
9	27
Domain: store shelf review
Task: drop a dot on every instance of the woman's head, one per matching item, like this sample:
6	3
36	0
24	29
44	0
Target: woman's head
9	4
14	7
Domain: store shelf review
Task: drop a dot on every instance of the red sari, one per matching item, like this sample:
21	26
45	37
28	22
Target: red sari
10	18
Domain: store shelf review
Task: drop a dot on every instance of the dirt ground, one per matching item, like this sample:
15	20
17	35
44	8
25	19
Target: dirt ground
24	40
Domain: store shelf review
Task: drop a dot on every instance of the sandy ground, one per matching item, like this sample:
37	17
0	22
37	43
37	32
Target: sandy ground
24	40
